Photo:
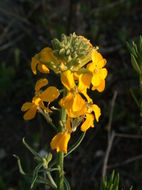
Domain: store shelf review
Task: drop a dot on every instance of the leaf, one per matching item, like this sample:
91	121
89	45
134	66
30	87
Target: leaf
19	164
35	174
135	64
67	185
52	182
31	150
78	142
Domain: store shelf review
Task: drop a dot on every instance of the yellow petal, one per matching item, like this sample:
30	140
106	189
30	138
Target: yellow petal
91	67
68	80
84	81
41	83
75	76
46	55
96	80
97	111
84	92
50	94
68	125
60	142
26	106
42	68
30	114
89	122
34	63
98	60
67	101
101	87
103	73
78	103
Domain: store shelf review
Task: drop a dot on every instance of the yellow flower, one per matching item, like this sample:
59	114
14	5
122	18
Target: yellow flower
60	141
73	102
89	122
90	117
48	95
31	108
99	73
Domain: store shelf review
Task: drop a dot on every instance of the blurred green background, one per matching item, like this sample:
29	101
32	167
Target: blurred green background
26	26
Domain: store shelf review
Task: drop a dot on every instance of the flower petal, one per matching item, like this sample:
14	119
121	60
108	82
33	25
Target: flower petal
78	103
96	80
84	81
42	68
103	73
68	80
97	111
30	114
34	63
101	87
68	124
26	106
84	92
98	59
50	94
41	83
67	101
89	122
60	142
47	55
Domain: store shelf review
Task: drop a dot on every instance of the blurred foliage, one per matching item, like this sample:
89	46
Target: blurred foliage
112	183
136	60
26	26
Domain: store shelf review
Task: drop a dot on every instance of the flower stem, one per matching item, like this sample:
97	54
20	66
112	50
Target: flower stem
60	155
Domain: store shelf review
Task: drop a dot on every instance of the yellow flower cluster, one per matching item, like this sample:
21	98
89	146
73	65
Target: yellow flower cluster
76	80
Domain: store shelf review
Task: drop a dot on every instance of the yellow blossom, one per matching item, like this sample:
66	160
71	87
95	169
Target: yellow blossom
48	95
90	117
99	73
73	102
89	122
60	141
31	108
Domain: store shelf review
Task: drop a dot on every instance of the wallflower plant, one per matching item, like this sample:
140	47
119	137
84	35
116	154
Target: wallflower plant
80	67
136	60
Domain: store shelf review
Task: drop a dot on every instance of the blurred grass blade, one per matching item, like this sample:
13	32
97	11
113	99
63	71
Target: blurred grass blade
135	64
19	164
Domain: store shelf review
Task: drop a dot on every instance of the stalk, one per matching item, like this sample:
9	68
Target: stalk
60	156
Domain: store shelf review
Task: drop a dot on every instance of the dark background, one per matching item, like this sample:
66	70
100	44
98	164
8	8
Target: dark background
26	26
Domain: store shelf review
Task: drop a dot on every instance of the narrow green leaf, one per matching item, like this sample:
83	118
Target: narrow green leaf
31	149
67	185
52	182
19	164
135	64
35	174
78	142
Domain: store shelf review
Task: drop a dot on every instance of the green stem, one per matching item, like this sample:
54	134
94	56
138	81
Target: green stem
60	155
141	84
